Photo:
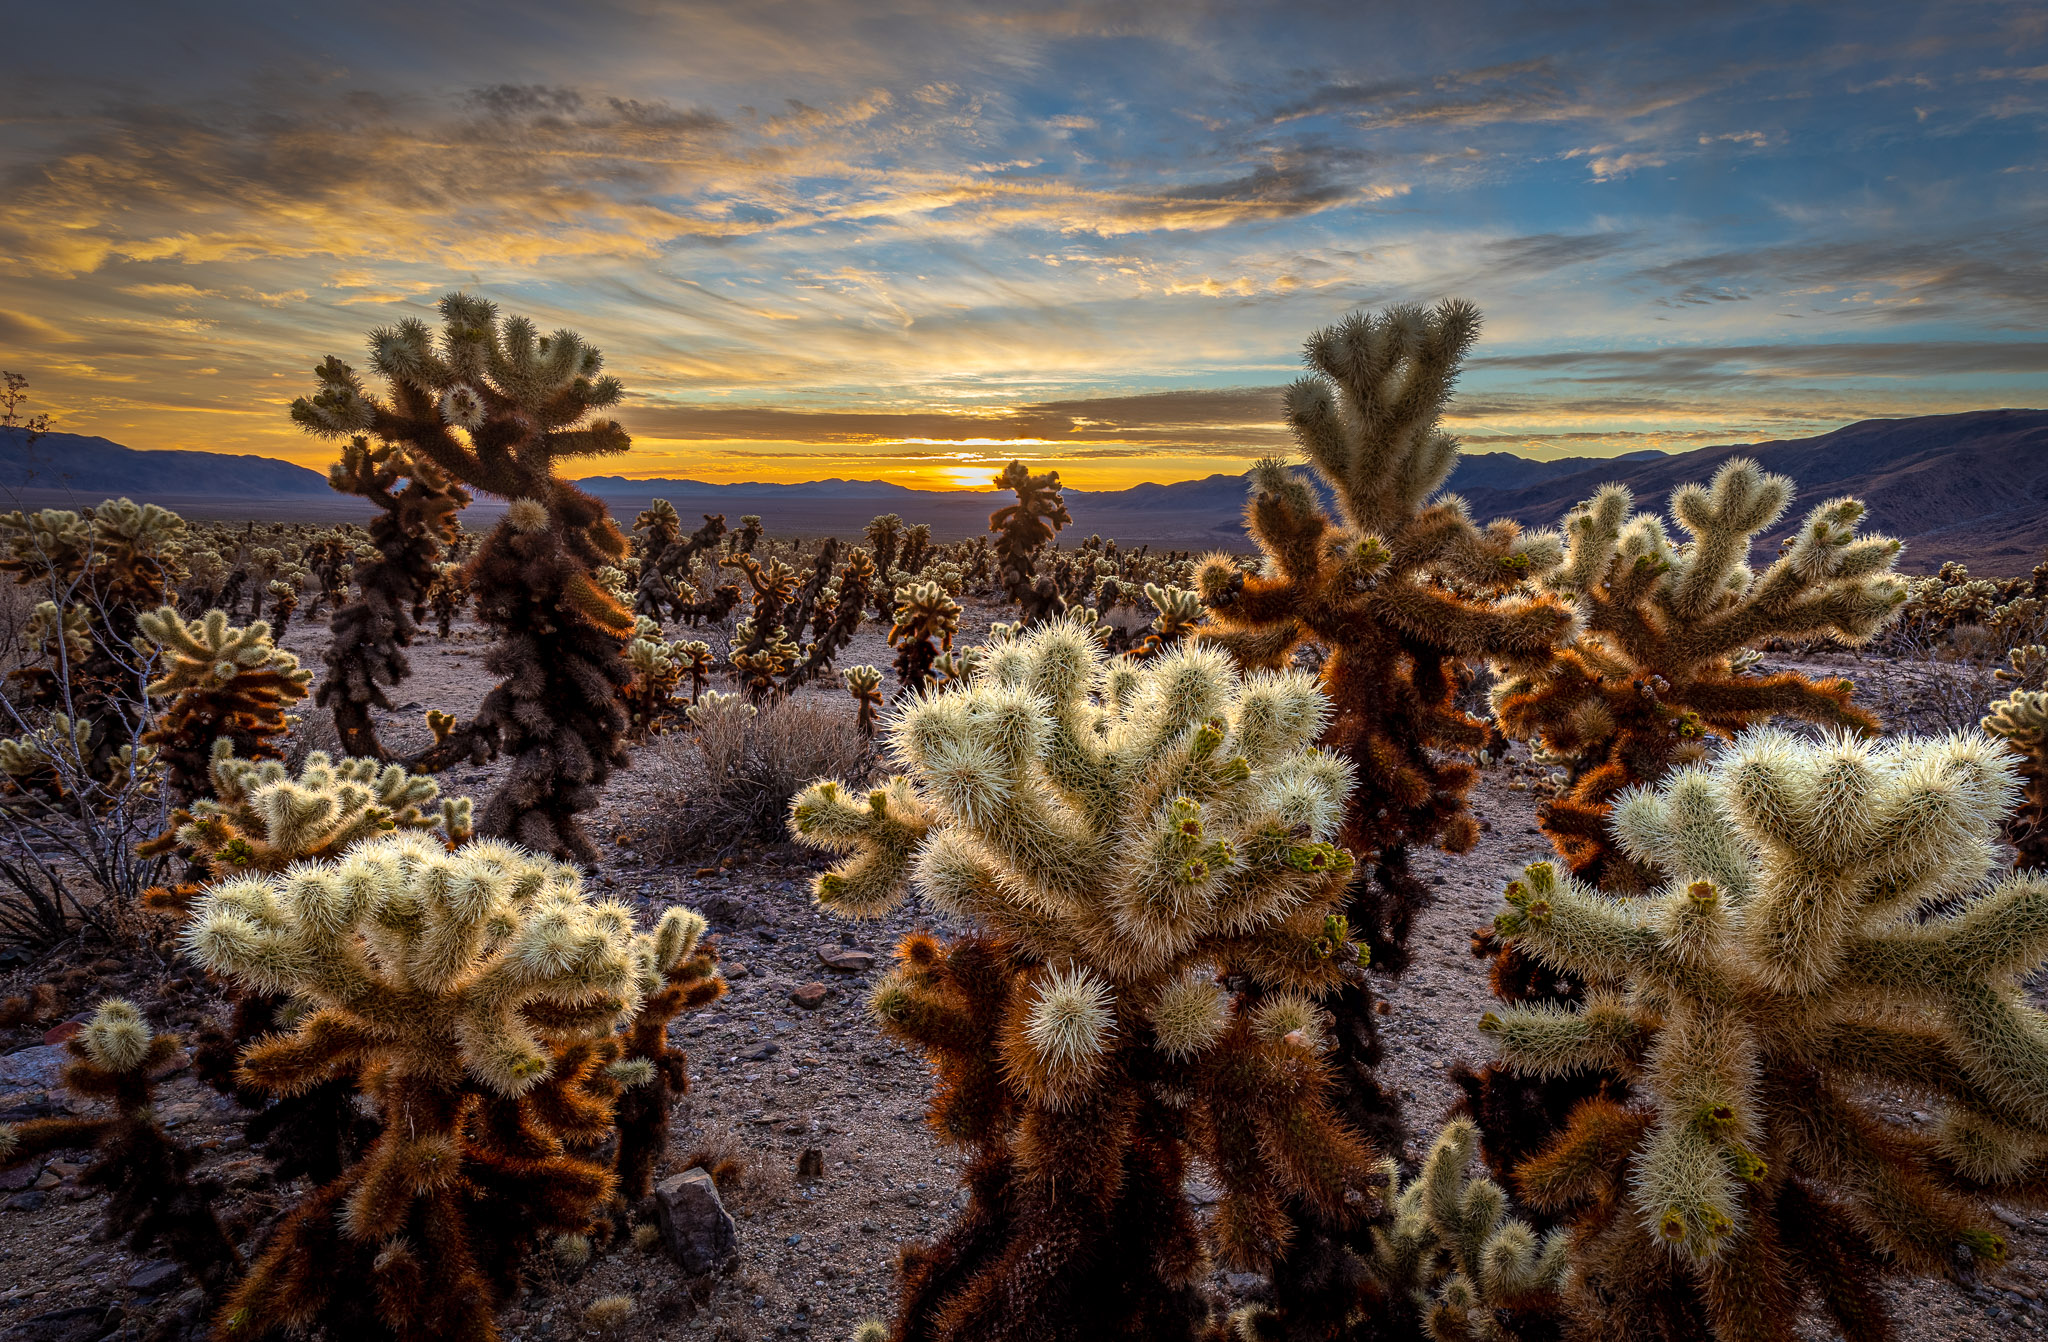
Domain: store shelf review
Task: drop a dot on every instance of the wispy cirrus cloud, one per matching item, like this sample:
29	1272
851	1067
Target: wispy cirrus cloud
910	234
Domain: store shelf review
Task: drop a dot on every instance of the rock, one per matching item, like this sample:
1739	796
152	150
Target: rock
18	1178
86	1323
31	1201
846	960
40	1068
699	1233
734	971
810	997
763	1053
811	1164
155	1278
57	1034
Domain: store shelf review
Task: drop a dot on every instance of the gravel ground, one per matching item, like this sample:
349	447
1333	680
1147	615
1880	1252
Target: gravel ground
771	1078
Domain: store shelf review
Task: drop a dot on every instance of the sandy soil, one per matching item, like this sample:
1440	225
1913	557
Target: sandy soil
773	1079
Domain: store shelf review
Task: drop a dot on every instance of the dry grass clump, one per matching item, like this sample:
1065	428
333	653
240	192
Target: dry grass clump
728	781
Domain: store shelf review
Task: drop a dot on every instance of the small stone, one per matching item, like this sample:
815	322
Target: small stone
20	1177
763	1053
700	1234
153	1278
846	960
810	996
57	1034
733	969
31	1201
1202	1194
811	1164
2010	1218
49	1179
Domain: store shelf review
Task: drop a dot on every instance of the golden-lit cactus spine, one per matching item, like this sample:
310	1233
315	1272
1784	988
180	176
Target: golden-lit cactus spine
1828	931
1180	611
926	620
1656	666
864	683
153	1199
223	684
494	405
474	995
1142	855
1398	587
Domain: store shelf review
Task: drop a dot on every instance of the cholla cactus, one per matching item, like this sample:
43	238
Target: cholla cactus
1179	612
446	596
224	684
1452	1264
475	995
1022	529
154	1201
413	527
261	818
864	683
522	404
1143	856
1398	589
884	534
926	620
678	972
837	616
1651	674
763	654
1827	930
658	668
2021	721
743	541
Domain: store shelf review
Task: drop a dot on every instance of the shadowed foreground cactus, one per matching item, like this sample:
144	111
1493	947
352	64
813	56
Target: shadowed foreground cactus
1828	929
153	1199
1142	855
475	996
1651	674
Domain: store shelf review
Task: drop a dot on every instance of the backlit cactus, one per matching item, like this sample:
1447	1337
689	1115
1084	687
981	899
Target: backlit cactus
475	995
1143	855
1827	929
413	526
2021	721
499	407
1023	529
864	683
1398	588
223	684
925	622
1652	672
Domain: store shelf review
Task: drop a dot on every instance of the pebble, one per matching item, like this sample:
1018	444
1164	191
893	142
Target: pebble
810	996
845	960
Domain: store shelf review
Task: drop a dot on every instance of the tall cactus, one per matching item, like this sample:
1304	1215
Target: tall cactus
1022	529
413	526
1827	930
1142	856
1400	590
522	404
1653	672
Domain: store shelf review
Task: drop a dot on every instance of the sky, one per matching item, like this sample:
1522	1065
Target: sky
911	240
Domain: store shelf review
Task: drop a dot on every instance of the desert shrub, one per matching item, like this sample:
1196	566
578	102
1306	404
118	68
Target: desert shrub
728	781
1141	856
1832	926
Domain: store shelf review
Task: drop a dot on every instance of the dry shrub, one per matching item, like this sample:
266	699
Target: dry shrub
728	781
311	731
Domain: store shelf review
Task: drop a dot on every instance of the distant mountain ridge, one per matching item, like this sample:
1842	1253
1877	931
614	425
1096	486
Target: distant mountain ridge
1970	486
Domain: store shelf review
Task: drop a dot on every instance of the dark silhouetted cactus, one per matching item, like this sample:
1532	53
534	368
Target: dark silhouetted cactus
1022	529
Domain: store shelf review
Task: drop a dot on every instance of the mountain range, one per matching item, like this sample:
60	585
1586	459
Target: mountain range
1970	486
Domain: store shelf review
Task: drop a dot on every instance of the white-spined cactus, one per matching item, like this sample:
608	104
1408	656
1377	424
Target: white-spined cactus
262	817
475	995
1829	927
1141	856
224	684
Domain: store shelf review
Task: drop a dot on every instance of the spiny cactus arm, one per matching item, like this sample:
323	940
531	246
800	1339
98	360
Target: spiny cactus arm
1571	928
1546	1040
882	828
326	1044
40	1136
1904	1209
1515	630
1721	517
1731	704
1586	1159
